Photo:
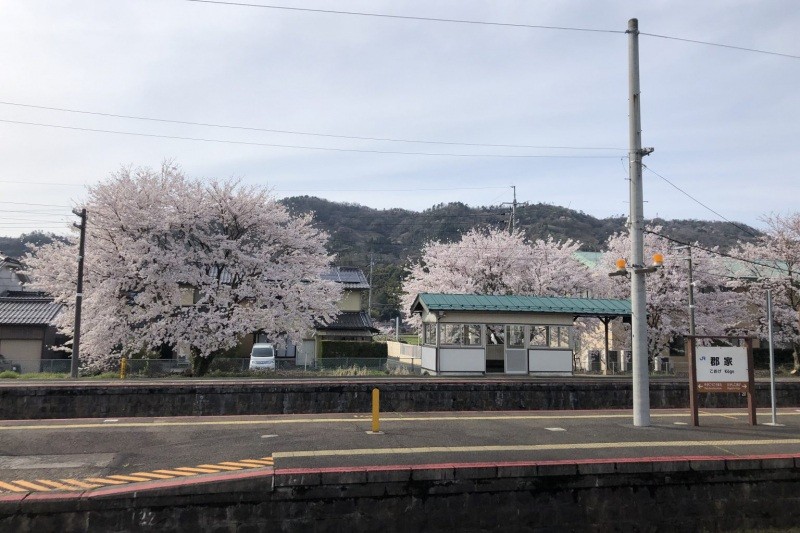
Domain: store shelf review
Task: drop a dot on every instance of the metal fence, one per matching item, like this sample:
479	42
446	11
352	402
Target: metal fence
223	365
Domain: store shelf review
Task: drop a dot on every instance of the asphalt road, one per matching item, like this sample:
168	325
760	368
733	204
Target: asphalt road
80	449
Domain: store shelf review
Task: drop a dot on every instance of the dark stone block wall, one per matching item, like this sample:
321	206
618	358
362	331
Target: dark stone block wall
198	398
712	495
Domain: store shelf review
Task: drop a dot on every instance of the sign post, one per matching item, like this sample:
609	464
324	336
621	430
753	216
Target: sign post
720	369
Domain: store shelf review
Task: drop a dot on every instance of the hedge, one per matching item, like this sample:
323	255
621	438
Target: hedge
783	357
354	349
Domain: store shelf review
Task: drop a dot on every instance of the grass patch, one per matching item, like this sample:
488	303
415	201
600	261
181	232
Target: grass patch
8	374
105	375
44	375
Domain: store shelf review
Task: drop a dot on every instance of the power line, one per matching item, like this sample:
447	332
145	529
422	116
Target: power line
314	134
299	147
742	48
488	23
42	205
717	252
738	226
404	17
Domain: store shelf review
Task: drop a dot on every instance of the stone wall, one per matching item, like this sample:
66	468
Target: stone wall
200	398
755	493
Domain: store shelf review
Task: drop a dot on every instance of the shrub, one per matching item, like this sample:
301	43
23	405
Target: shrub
354	349
8	374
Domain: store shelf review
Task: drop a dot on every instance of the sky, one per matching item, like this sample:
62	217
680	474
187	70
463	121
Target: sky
393	112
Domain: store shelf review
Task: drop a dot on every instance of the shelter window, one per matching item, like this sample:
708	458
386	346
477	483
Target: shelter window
472	334
538	336
429	334
559	336
516	337
452	333
461	334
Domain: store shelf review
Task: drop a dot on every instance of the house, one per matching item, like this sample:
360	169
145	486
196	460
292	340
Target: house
27	330
353	323
475	334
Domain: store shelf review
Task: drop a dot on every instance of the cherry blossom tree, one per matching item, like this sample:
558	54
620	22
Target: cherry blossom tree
667	289
177	261
772	263
492	261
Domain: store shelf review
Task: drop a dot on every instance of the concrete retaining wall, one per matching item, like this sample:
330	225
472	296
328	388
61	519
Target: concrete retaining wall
197	398
755	493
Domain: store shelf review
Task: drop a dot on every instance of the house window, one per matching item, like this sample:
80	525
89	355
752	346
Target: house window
461	334
516	337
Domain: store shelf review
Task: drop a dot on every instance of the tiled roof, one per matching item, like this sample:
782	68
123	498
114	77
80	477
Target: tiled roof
32	311
350	277
350	320
521	304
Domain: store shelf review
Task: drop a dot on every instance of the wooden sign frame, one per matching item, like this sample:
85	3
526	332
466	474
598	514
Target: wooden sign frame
741	387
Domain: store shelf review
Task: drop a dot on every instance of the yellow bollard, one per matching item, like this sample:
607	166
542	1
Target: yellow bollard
376	408
123	364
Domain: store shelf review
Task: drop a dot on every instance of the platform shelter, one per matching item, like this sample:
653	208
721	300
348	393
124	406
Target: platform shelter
473	334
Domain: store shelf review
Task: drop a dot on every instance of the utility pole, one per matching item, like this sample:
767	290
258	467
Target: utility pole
76	340
641	378
369	298
512	224
691	293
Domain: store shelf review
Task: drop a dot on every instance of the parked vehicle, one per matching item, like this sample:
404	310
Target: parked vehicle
262	357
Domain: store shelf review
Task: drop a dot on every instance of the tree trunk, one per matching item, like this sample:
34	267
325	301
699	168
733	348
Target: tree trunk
200	364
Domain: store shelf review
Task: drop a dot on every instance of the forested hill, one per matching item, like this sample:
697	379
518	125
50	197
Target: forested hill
394	235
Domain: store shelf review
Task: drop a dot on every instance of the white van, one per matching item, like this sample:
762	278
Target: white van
262	357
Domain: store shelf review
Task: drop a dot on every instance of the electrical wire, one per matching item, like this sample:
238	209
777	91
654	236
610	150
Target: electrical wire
742	48
738	226
487	23
300	147
402	17
717	252
314	134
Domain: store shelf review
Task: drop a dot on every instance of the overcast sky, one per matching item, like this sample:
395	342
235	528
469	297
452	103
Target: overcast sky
724	123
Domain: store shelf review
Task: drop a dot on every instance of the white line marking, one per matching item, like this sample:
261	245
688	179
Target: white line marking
268	436
555	429
533	447
110	420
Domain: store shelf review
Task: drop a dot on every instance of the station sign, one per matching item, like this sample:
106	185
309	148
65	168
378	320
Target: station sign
722	369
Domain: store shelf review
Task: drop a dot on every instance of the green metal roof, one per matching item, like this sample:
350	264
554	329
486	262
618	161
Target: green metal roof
521	304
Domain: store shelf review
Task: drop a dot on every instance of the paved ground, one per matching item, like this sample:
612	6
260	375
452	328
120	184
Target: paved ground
78	450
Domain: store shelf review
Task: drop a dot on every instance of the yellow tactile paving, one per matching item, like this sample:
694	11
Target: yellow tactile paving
106	481
152	475
174	472
81	484
46	485
257	462
207	470
54	484
12	488
222	467
237	463
33	486
128	478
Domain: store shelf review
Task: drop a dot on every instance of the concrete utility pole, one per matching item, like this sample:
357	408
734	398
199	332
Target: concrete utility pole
691	292
369	297
76	340
641	379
